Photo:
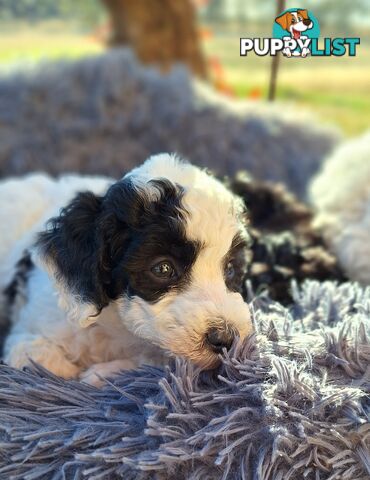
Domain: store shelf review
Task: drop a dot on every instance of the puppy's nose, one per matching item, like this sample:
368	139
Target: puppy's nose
219	338
306	21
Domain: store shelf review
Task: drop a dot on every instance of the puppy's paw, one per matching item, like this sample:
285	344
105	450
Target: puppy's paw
24	348
97	374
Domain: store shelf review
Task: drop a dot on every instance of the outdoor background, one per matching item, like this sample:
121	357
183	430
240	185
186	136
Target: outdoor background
337	89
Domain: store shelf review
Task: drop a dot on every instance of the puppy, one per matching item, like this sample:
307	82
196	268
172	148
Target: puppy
128	272
295	23
340	195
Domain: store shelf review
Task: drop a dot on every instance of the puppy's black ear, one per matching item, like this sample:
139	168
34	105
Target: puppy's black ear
72	250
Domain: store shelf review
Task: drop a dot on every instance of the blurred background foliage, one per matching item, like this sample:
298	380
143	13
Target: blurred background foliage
337	89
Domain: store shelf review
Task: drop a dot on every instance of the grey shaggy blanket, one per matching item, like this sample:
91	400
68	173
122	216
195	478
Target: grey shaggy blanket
290	403
107	114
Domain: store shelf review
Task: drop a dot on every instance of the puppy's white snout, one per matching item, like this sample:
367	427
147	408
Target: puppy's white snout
237	313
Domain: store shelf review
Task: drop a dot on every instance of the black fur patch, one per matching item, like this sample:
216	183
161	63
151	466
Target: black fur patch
22	270
239	256
102	247
280	258
156	230
284	244
16	287
74	245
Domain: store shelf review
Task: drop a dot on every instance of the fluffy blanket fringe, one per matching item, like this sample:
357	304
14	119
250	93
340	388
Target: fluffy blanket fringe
289	403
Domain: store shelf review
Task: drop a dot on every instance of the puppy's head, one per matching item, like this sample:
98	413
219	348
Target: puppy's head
295	22
168	246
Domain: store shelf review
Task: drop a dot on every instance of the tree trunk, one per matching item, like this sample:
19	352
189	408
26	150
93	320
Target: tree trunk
281	4
159	31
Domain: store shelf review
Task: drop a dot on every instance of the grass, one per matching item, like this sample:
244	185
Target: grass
335	89
20	42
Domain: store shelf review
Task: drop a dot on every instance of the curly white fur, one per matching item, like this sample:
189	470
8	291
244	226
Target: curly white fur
340	194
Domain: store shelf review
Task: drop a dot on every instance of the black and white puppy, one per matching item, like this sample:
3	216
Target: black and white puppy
126	272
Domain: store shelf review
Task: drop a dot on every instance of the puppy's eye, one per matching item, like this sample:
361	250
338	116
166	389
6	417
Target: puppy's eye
293	20
300	19
229	271
164	270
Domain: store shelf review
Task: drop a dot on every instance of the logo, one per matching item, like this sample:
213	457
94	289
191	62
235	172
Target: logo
296	28
296	33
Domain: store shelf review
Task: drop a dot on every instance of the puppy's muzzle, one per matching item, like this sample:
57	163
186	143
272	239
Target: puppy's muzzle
307	22
219	338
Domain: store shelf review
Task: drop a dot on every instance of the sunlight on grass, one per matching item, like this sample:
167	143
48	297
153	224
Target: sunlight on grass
335	89
21	43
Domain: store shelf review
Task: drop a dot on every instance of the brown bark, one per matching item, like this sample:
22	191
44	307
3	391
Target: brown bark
160	31
281	4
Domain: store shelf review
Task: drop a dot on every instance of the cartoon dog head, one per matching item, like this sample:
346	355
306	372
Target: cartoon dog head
295	22
167	245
